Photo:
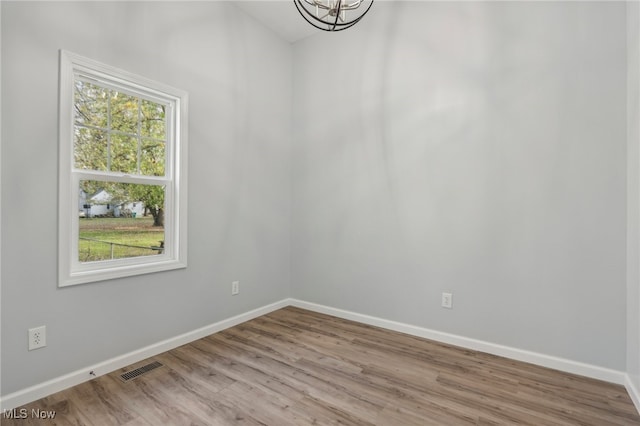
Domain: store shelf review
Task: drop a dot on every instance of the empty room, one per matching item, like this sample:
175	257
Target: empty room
320	212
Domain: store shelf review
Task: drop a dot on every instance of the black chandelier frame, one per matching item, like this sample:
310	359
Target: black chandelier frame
328	25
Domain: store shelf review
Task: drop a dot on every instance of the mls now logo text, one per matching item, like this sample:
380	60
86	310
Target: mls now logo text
23	413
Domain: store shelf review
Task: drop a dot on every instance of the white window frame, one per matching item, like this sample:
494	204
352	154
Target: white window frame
70	270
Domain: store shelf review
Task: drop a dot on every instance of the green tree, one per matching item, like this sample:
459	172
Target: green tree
119	132
153	199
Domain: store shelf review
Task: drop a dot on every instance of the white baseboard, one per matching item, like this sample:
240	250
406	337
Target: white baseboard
633	391
41	390
548	361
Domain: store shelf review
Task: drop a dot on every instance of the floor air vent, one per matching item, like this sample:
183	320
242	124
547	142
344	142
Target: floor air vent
130	375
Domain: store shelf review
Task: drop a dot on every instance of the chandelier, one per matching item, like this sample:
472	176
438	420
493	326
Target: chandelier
333	15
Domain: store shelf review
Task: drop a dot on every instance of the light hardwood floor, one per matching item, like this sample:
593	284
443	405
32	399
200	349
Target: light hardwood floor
295	367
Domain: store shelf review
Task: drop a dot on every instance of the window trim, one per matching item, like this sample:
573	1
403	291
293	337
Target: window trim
70	270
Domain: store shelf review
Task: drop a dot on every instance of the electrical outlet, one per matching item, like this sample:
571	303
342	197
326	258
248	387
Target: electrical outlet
447	300
37	337
235	288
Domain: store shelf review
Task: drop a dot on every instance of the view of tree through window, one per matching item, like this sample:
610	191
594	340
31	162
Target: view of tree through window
122	173
118	133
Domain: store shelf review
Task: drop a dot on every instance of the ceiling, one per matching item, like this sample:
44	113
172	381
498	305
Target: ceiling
281	16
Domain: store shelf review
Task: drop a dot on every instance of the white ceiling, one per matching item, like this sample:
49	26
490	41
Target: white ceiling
281	16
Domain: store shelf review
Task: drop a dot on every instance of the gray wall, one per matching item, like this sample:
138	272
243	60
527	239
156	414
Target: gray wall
238	76
633	191
477	148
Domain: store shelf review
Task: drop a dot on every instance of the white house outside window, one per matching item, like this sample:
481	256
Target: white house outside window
122	173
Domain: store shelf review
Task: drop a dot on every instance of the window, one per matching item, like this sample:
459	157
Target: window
122	173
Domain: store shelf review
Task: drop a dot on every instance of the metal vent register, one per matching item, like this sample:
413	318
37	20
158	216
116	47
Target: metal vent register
130	375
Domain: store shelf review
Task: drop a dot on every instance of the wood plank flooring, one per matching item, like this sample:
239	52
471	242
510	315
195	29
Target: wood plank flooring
295	367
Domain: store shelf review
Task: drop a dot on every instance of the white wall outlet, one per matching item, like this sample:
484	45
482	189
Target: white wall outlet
235	288
447	300
37	337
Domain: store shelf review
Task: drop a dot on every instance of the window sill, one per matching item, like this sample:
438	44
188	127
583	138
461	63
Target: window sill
110	272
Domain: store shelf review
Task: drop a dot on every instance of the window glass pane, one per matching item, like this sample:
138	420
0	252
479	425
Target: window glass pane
124	154
90	104
124	112
119	220
89	149
152	158
153	123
